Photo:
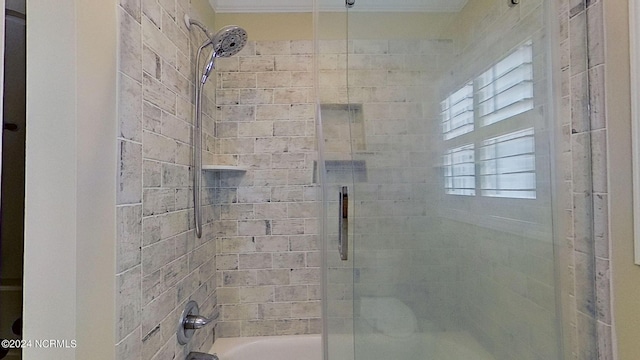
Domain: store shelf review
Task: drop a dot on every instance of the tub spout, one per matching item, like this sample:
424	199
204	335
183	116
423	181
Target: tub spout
201	356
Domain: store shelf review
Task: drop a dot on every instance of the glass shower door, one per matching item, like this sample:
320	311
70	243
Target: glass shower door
335	172
450	125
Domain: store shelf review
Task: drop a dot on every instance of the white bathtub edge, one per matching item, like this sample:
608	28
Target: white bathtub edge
225	345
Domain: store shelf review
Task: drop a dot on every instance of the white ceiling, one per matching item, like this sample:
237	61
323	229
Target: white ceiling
245	6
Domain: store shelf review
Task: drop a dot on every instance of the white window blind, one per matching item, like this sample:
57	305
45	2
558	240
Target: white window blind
507	165
457	113
459	170
506	89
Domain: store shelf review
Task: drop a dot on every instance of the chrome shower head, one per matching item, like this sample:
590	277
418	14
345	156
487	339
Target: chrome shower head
229	41
226	42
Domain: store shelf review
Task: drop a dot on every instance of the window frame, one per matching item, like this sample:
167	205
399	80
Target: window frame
481	132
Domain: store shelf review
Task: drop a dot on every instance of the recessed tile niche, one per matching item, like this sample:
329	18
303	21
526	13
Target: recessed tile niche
344	133
343	126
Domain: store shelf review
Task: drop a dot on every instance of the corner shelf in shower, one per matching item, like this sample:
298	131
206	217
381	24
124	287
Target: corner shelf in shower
222	168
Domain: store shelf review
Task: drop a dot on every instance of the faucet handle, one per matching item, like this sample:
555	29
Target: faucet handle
190	321
195	322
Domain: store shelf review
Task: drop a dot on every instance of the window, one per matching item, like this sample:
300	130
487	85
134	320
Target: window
505	152
506	89
457	113
459	167
507	166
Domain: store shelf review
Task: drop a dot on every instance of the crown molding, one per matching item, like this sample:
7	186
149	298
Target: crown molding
280	6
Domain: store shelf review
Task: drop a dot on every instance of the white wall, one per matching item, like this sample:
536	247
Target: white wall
69	288
96	84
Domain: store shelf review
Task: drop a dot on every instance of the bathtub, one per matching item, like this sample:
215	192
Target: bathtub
434	345
295	347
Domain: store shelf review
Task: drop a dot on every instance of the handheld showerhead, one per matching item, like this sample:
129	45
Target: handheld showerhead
207	68
229	41
226	43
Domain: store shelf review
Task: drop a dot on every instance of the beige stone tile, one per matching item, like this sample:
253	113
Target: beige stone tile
282	47
254	64
130	348
128	307
578	38
239	312
292	327
129	237
130	45
129	180
257	294
158	42
132	7
257	328
254	129
291	293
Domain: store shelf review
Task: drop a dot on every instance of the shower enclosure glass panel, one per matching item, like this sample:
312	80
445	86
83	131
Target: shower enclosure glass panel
448	157
335	171
453	244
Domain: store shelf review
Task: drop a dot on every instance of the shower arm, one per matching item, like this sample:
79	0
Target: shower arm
189	21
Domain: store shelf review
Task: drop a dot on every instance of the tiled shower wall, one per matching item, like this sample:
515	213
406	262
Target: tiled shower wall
585	153
268	258
160	263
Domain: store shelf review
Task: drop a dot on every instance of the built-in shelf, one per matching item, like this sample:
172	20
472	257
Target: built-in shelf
340	171
222	168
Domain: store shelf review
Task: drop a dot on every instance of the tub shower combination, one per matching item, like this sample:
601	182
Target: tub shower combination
435	169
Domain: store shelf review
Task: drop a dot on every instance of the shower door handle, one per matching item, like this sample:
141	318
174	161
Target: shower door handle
343	224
